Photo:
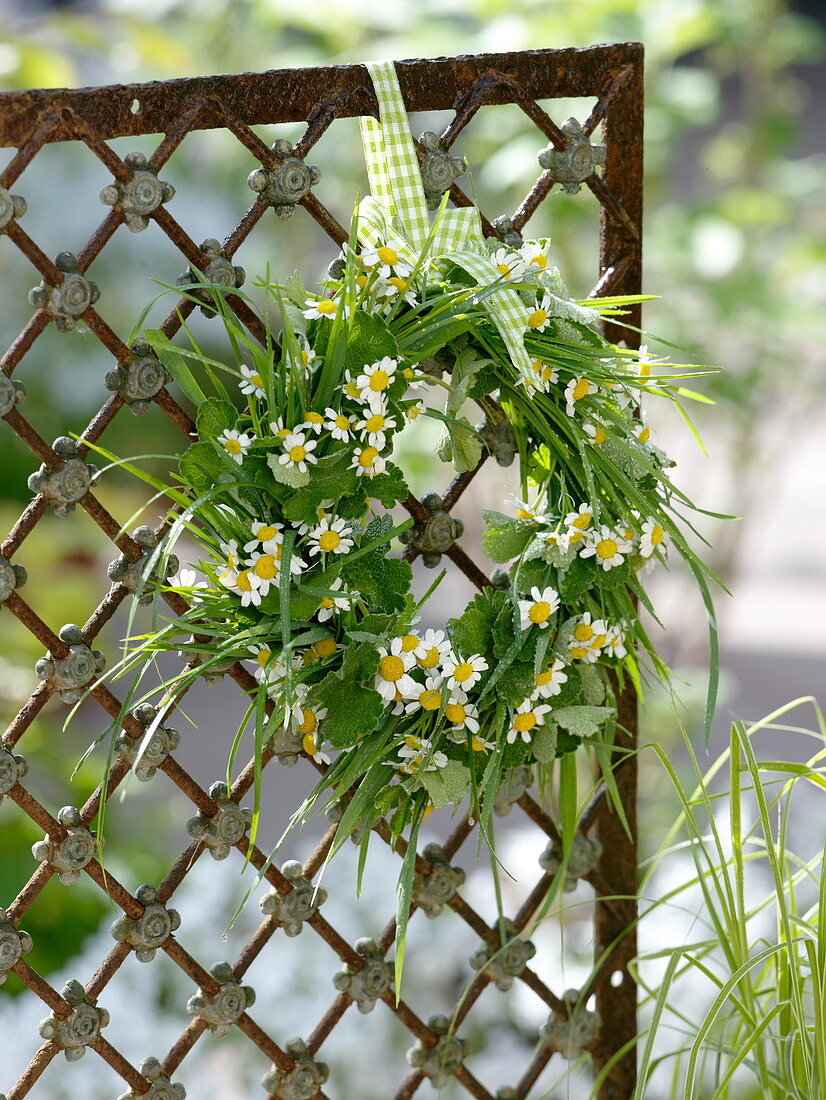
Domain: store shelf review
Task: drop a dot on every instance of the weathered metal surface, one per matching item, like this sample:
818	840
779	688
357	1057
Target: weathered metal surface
28	121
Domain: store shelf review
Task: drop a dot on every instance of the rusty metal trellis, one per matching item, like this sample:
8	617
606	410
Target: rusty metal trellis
29	121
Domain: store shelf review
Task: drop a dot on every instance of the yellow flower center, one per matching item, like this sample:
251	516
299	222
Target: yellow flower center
644	435
361	281
409	643
477	745
657	535
399	284
310	722
413	742
599	435
282	433
232	446
343	422
352	390
463	672
325	647
374	423
524	513
388	256
308	743
430	699
329	540
257	380
327	305
524	722
582	521
368	457
430	659
583	632
503	269
537	319
242	581
326	603
266	567
581	389
455	713
413	412
266	533
540	612
263	656
379	380
544	677
599	641
297	453
606	548
391	668
315	418
541	261
579	653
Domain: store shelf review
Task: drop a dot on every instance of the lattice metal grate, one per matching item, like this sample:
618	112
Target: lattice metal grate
31	120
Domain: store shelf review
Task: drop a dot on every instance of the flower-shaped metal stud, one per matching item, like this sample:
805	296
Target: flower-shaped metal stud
334	811
573	1033
218	272
371	982
221	1010
12	770
285	184
303	1082
12	577
441	1061
140	195
11	207
503	963
287	744
439	168
140	378
67	482
433	891
69	676
225	828
71	854
300	903
507	1093
12	393
514	784
160	1088
14	943
146	757
136	575
67	302
576	162
151	929
509	233
582	859
500	440
435	536
75	1032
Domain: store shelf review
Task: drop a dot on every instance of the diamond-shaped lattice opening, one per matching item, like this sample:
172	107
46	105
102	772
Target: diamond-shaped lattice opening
194	127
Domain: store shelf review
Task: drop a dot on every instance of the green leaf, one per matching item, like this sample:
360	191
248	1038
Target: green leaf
352	710
330	480
566	742
592	687
360	662
505	537
388	488
447	784
584	721
201	466
370	340
286	474
544	743
174	362
517	684
214	416
295	291
576	580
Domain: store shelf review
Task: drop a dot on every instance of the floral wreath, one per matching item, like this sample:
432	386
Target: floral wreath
289	500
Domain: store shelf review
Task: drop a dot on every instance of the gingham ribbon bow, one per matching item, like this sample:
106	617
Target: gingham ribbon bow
396	212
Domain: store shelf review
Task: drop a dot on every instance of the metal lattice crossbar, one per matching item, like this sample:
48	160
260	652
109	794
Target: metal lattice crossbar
28	122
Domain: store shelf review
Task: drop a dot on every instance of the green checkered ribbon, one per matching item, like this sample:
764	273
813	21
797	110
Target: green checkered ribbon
396	212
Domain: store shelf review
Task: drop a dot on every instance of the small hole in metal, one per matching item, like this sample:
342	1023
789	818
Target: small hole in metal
617	978
136	107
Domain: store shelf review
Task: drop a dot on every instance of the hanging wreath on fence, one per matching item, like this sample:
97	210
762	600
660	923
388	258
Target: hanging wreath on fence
293	500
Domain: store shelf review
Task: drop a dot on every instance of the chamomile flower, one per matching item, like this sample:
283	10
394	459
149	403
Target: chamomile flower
541	376
394	289
411	642
418	755
537	610
427	696
304	356
392	673
607	546
263	657
376	378
187	578
596	431
463	674
375	423
652	538
339	425
351	387
526	511
461	714
576	389
312	746
324	307
331	538
414	411
386	262
550	680
252	383
615	642
367	462
534	255
278	429
432	649
331	604
586	633
265	535
307	716
509	264
577	523
298	451
641	428
267	566
249	586
313	422
538	318
235	443
529	715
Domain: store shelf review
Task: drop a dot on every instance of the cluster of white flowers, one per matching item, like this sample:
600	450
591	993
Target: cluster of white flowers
594	638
